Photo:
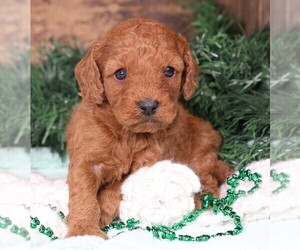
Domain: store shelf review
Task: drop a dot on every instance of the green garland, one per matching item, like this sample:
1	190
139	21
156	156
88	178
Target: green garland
217	205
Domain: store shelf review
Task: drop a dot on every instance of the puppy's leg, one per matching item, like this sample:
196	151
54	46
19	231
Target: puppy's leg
211	180
84	210
109	201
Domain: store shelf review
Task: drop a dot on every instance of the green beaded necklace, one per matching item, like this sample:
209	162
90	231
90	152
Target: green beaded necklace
282	178
218	205
6	223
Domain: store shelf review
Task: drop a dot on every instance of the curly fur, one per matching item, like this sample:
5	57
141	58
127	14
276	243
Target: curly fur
109	138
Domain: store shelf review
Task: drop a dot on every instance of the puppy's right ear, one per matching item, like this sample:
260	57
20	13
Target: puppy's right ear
89	78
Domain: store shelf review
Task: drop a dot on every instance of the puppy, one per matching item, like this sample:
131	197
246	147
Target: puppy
130	117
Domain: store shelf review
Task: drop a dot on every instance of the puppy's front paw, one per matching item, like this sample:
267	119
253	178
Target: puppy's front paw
81	229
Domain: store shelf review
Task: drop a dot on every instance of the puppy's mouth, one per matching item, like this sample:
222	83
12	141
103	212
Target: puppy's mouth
147	125
148	120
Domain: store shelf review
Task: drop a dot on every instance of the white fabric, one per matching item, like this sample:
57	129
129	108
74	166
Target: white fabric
15	201
160	194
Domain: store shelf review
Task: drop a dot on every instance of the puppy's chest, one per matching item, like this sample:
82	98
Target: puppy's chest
129	153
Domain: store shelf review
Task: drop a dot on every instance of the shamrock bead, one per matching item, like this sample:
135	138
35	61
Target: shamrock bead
14	229
48	232
23	232
7	221
42	229
282	178
34	222
232	182
155	234
120	225
230	198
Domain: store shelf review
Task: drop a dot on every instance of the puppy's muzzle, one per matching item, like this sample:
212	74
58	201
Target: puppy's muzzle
148	107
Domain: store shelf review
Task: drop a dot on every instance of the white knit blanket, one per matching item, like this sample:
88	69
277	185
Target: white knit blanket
15	203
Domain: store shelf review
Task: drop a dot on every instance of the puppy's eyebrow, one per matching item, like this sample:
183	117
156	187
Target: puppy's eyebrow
111	66
176	62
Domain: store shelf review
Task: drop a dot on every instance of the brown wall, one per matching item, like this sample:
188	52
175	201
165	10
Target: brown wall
86	20
89	19
14	28
252	14
284	14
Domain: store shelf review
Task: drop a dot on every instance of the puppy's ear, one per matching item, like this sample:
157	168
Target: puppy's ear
89	78
191	71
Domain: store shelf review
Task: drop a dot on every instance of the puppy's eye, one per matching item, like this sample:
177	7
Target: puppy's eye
169	71
120	74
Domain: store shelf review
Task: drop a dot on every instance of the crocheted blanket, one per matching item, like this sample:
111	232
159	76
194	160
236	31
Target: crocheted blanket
259	206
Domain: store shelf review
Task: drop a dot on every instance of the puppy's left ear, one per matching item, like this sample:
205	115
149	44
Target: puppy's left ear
191	71
89	78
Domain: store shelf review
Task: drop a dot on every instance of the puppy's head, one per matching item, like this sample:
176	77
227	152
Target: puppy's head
140	68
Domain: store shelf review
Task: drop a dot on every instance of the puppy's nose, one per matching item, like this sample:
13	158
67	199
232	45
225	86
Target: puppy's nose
148	107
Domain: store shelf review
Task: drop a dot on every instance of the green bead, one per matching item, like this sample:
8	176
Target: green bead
207	198
105	229
239	228
230	198
3	225
23	232
242	169
171	235
155	234
189	218
42	229
14	229
54	238
34	222
272	172
61	215
132	223
227	210
179	225
230	232
7	220
220	234
241	193
232	182
4	222
204	237
120	225
237	220
48	232
185	238
232	214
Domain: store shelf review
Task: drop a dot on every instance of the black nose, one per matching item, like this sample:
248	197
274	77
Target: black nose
148	107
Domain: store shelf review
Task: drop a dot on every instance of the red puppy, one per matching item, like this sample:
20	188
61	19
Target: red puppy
130	117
